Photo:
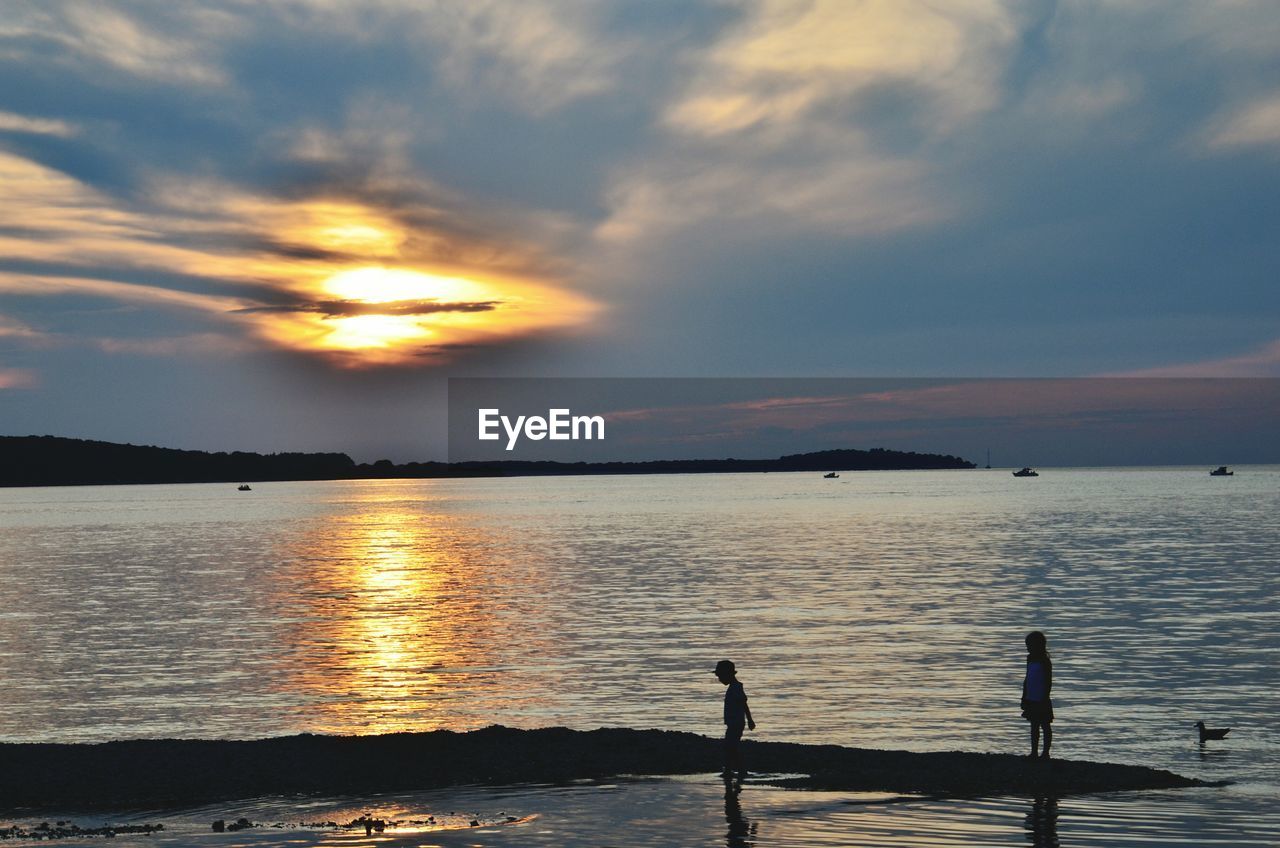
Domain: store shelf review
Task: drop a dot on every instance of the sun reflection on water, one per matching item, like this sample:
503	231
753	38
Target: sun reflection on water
392	620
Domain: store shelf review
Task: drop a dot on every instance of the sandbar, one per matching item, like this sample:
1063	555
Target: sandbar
157	773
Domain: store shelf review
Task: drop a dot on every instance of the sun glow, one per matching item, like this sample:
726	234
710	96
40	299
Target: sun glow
360	332
337	226
339	280
371	315
387	285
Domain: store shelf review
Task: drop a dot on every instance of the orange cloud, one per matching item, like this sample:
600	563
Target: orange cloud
332	276
1256	124
11	122
16	378
764	131
1261	362
393	316
788	59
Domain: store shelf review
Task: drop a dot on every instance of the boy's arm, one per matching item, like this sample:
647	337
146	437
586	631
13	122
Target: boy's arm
751	723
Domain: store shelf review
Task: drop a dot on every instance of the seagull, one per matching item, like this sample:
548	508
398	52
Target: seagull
1211	732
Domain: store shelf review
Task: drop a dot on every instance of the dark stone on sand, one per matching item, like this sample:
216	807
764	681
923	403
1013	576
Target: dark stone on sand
169	772
68	830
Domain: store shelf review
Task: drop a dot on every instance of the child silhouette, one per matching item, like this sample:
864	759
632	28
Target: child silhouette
736	715
1037	708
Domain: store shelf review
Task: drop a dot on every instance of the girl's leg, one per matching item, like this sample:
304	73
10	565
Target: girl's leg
1035	738
1048	738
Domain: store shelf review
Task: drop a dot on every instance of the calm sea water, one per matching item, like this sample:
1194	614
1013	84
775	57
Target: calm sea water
878	610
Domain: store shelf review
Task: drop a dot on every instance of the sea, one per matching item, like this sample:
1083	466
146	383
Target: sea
878	610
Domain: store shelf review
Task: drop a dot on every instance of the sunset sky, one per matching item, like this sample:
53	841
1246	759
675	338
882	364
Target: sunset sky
281	226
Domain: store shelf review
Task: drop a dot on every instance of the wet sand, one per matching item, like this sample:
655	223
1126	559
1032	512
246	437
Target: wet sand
167	773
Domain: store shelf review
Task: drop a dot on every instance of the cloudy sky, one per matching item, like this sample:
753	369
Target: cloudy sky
254	226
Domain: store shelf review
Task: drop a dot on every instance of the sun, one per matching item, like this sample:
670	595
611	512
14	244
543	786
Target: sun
371	316
389	285
362	332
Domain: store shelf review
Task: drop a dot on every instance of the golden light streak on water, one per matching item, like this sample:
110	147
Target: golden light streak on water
394	619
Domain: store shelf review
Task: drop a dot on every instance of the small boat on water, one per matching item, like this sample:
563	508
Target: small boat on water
1026	472
1221	471
830	475
243	487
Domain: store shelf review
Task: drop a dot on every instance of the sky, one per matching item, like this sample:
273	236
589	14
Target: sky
284	226
1007	422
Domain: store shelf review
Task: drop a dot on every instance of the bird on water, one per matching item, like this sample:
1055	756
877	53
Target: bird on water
1207	733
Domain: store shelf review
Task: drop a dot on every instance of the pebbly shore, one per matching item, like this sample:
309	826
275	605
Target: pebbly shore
156	773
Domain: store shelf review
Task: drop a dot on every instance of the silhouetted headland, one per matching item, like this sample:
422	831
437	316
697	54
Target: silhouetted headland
165	772
56	461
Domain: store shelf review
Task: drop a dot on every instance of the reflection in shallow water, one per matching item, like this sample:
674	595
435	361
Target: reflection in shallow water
1042	823
742	831
699	811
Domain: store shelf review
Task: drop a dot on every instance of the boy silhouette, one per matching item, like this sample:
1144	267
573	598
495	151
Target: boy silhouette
736	715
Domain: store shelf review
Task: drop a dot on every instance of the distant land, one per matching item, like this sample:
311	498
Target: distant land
57	461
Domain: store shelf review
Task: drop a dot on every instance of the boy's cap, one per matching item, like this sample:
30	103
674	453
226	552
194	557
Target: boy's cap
726	665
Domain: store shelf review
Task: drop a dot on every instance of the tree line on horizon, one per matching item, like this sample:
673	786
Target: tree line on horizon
59	461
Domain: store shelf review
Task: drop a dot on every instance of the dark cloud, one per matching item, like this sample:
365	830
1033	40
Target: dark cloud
299	251
160	279
348	308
